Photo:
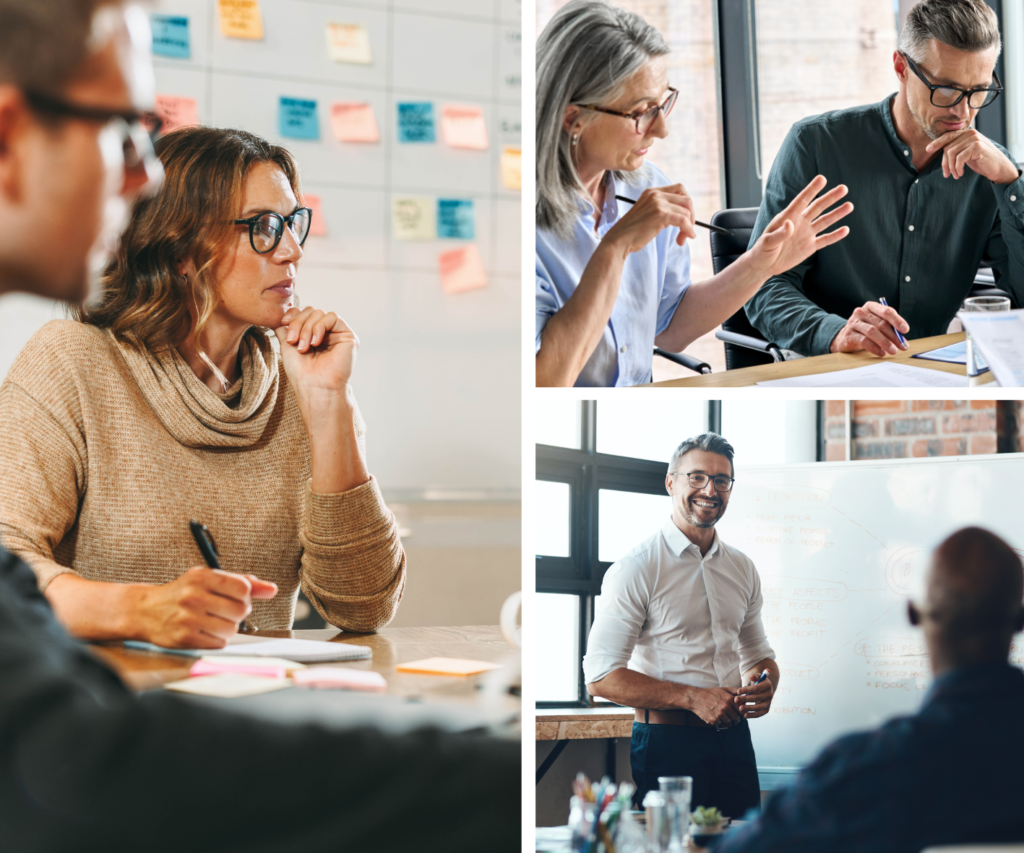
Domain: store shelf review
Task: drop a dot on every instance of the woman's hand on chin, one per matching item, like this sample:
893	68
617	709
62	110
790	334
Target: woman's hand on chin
318	350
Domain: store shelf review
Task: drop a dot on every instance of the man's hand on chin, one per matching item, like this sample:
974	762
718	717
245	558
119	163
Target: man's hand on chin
963	148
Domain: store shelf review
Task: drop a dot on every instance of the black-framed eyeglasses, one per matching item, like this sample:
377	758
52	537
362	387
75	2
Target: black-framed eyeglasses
950	96
266	229
699	480
643	120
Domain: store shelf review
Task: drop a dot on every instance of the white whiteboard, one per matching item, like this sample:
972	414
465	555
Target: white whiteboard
438	378
839	548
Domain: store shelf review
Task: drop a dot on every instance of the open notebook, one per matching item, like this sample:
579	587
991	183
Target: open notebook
303	651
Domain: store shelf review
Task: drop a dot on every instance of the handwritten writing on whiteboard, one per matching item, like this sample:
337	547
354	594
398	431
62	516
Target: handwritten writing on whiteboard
170	36
349	43
240	19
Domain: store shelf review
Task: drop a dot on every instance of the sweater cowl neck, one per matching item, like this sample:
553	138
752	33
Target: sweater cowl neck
193	413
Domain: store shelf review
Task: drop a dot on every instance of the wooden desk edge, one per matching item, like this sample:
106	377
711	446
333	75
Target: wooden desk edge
584	723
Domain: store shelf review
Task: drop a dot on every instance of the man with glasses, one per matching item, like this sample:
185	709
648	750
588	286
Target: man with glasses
933	197
678	636
85	764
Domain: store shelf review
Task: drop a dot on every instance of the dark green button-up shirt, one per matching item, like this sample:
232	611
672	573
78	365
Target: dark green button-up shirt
916	238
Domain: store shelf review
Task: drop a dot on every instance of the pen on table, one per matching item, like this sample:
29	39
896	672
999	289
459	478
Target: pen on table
208	548
714	228
903	340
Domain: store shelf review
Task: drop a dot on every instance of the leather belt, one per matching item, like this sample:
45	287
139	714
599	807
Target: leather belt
669	718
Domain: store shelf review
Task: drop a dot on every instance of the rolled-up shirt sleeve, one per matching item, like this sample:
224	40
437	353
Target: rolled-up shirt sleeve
753	642
620	612
547	300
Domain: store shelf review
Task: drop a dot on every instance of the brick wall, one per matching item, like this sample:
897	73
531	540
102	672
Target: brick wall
898	429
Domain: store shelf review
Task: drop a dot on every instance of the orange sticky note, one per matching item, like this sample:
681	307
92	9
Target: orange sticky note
349	43
317	225
240	19
175	112
447	666
352	121
512	167
462	269
464	127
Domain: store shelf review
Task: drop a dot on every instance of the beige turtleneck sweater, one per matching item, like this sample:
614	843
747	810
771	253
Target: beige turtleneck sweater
107	452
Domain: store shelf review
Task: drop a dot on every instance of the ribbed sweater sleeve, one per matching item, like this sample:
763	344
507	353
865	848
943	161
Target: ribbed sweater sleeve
353	563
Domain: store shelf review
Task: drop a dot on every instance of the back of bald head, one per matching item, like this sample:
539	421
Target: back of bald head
973	597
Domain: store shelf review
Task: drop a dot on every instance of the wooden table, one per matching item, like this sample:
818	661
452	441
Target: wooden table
392	646
566	724
825	364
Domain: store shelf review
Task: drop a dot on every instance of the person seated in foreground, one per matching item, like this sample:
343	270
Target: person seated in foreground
933	196
949	774
85	764
165	402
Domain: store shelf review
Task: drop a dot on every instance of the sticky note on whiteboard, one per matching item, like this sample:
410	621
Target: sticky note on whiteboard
416	122
455	219
175	111
462	269
464	127
317	224
349	43
512	167
297	118
412	218
170	36
352	121
240	19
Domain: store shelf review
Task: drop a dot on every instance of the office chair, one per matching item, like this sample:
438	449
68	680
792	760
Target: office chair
687	361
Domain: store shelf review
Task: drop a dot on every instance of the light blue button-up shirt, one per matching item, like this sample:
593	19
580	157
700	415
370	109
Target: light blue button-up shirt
653	283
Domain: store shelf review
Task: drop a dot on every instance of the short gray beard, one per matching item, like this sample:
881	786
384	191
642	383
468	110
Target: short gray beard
930	132
691	519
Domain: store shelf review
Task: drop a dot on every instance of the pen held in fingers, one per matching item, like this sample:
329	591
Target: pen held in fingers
714	228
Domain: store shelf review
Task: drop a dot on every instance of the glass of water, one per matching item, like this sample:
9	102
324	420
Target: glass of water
677	791
980	303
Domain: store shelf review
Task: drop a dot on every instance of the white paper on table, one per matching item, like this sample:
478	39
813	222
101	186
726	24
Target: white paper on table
885	374
228	685
307	651
999	335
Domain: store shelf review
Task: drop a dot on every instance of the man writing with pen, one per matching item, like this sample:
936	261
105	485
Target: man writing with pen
678	636
934	197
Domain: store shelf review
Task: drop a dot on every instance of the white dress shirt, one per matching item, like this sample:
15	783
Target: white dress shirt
671	614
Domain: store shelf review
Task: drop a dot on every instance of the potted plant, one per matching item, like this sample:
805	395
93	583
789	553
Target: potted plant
705	826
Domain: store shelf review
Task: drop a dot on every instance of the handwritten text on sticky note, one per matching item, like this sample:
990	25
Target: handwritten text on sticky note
512	167
416	122
175	112
412	218
349	43
297	119
462	269
170	36
455	219
353	122
317	224
463	127
240	19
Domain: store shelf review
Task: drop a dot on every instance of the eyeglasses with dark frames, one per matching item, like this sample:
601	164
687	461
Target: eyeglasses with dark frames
266	229
950	96
643	120
698	480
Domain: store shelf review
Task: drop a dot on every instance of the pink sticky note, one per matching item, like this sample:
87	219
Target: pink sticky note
464	127
339	676
208	667
176	111
318	225
462	269
352	121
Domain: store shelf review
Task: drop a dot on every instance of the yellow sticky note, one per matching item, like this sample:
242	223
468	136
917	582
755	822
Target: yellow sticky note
462	269
317	225
447	666
512	167
352	121
349	43
175	111
464	127
240	19
413	218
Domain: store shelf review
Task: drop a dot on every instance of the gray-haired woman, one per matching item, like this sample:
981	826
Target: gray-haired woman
613	279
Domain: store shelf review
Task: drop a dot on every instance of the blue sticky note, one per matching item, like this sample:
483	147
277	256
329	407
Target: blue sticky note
170	36
416	122
455	219
297	119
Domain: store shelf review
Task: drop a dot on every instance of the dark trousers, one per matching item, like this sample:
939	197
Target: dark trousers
721	763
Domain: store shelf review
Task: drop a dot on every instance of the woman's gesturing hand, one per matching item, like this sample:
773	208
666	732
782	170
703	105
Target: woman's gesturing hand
318	349
657	208
795	233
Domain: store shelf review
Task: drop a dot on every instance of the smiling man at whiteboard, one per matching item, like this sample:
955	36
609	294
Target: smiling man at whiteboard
677	635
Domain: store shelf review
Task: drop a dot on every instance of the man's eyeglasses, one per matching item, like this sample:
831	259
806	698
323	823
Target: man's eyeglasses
266	230
643	120
950	96
698	480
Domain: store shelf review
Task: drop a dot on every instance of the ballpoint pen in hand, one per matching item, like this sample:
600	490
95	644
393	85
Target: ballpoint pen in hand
714	228
208	548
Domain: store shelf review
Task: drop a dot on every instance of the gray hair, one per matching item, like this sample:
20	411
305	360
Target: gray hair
711	442
43	42
586	54
967	25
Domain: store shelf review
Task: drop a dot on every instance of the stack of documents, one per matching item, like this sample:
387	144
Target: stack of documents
999	336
